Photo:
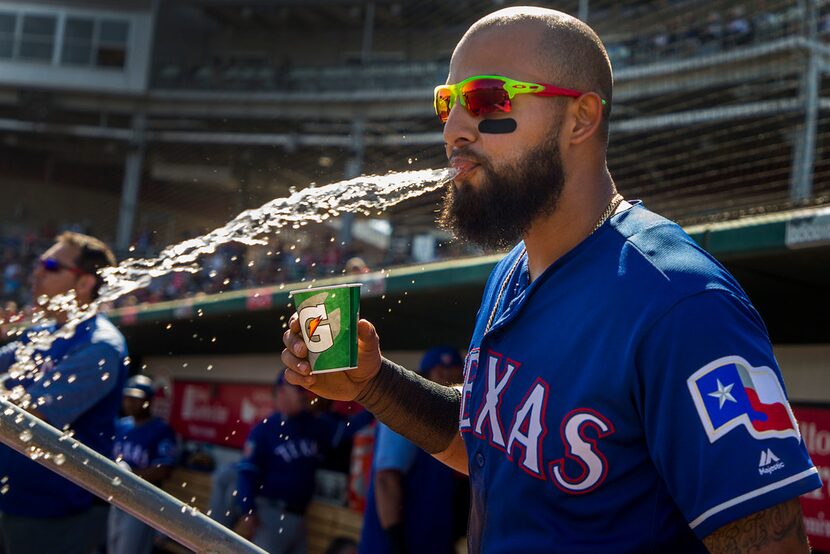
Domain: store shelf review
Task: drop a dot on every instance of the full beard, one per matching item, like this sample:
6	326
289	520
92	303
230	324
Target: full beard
500	211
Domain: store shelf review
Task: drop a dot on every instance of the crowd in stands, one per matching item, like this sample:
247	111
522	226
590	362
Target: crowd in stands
684	33
18	254
231	267
689	35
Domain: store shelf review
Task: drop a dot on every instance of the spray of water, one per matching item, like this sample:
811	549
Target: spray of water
362	195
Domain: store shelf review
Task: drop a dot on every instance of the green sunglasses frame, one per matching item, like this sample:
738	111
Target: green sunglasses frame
512	86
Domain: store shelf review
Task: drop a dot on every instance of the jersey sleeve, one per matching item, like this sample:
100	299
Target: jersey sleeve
393	451
715	412
87	375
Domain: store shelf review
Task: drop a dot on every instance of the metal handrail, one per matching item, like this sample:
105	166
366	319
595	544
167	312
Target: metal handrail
75	461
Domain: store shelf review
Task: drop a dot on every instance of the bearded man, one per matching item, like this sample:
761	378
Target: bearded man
620	387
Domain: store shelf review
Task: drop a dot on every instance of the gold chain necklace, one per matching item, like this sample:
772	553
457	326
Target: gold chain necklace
615	202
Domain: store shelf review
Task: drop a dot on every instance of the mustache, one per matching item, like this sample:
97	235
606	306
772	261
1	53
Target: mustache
467	155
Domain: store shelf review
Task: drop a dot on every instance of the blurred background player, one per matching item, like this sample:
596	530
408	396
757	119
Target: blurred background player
415	502
145	445
277	470
79	388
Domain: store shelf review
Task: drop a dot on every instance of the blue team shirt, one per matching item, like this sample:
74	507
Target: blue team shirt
429	488
281	458
151	444
80	380
627	400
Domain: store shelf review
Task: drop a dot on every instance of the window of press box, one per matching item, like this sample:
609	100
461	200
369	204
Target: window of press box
112	43
8	22
89	42
37	38
77	41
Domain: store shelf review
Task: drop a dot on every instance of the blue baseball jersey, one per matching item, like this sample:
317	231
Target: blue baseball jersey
429	488
627	400
150	444
78	386
281	458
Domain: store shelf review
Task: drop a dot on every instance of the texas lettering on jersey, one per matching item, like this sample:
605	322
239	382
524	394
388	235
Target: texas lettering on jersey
522	438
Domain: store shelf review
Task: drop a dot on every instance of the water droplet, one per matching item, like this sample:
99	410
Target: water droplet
60	459
116	481
26	435
105	376
4	489
364	194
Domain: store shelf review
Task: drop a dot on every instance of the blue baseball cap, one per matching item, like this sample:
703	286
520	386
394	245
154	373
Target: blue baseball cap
440	355
139	386
280	380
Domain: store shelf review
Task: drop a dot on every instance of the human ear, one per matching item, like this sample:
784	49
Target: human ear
586	114
85	285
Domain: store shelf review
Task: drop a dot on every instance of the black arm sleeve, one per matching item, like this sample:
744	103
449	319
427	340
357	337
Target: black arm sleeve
422	411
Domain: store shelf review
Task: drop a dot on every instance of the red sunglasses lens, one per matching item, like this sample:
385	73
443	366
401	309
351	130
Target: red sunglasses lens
486	96
442	104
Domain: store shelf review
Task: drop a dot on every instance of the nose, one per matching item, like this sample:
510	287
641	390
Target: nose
461	129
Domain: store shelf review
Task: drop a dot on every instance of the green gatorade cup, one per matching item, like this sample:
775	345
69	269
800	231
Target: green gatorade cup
328	322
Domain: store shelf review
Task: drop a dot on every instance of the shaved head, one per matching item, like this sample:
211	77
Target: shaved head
567	52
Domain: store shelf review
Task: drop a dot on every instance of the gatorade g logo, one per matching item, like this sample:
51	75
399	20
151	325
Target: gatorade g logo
319	327
317	334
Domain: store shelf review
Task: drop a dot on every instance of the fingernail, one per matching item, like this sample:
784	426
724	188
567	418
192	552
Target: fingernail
303	366
298	348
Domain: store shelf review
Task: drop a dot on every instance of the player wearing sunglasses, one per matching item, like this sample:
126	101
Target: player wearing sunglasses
619	387
78	386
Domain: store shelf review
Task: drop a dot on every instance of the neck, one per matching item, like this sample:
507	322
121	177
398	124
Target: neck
580	207
61	317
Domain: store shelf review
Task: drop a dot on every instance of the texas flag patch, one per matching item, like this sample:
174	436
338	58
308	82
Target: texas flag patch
730	393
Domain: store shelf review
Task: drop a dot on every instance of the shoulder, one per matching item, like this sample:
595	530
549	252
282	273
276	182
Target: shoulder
104	332
261	428
124	424
96	353
393	450
654	258
161	427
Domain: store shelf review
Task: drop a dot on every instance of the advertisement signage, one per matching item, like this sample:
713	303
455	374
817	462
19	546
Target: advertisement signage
814	423
218	413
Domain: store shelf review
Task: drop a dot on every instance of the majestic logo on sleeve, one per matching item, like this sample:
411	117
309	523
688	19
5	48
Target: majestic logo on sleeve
730	393
769	462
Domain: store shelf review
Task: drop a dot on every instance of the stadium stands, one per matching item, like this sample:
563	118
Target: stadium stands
147	123
717	115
